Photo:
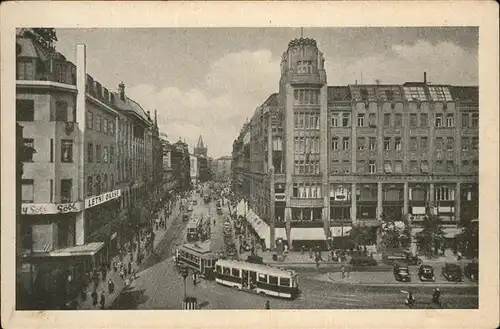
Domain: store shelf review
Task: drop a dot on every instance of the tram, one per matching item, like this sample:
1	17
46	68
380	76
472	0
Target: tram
197	257
259	278
193	228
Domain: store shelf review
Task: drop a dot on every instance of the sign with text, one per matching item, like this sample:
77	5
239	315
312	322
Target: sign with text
50	208
98	199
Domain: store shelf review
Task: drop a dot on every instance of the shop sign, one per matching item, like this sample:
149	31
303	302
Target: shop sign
50	208
97	200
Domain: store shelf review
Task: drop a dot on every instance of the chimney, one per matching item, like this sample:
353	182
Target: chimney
425	77
356	83
121	91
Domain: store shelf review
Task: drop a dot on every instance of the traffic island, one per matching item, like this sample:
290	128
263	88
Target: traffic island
190	303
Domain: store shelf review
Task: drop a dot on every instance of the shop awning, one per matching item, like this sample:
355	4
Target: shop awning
259	226
280	232
88	249
309	233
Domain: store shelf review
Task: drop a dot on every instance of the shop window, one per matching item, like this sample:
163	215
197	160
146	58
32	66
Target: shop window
66	150
25	110
27	190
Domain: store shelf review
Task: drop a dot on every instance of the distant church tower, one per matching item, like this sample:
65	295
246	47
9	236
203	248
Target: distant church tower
200	149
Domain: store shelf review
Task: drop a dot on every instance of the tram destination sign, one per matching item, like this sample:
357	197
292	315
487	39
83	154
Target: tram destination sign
98	199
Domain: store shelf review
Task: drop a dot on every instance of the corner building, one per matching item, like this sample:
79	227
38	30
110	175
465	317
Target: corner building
323	158
93	159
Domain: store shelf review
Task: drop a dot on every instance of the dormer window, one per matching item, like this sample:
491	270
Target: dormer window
390	95
364	94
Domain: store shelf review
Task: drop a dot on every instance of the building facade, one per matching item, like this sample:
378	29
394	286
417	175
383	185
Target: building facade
339	156
93	158
181	168
222	168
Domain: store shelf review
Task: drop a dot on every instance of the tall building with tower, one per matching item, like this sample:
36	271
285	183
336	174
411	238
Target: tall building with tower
314	159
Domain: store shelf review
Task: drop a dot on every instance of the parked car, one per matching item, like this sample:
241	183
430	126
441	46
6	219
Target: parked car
471	270
452	272
402	273
426	273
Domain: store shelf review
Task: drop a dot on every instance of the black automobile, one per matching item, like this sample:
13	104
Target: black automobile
402	273
471	270
452	272
426	273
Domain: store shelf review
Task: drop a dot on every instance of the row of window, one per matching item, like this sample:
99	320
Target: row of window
415	144
307	190
263	278
390	167
396	120
107	154
66	150
306	167
25	111
97	123
28	190
306	145
306	97
306	120
96	184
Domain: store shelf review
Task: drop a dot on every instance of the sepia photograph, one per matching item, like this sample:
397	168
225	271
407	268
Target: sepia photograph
290	167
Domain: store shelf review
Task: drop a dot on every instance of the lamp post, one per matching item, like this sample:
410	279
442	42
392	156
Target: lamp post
184	273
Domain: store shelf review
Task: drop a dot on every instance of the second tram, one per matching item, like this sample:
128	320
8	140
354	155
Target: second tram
197	257
259	278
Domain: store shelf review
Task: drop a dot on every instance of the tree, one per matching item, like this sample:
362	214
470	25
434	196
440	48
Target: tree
394	232
361	235
467	241
431	238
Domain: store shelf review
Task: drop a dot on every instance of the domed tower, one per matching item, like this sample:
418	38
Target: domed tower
303	101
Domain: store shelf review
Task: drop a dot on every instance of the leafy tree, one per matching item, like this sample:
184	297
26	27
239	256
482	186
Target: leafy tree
361	235
394	235
467	241
431	238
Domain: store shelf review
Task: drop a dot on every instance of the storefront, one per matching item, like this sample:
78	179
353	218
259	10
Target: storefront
340	202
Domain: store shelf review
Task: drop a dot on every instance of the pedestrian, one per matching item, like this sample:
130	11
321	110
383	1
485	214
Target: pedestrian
129	267
103	300
94	297
111	286
122	273
342	269
133	274
103	272
348	268
302	249
310	253
194	279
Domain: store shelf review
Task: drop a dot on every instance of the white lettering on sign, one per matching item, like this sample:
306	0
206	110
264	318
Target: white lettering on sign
97	200
50	208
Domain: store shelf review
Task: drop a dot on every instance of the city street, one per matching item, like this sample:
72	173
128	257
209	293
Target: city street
160	286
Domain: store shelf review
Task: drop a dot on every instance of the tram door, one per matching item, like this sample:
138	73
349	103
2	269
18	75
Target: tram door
202	265
244	278
253	279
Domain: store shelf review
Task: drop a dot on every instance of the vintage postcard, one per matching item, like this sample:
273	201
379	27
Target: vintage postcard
304	164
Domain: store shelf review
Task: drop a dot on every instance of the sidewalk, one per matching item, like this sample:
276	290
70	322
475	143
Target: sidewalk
115	276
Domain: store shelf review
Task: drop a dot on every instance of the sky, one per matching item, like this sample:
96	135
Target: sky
208	81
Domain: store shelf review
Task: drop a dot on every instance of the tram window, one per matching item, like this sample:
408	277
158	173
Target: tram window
262	278
218	269
273	280
285	282
225	270
235	272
